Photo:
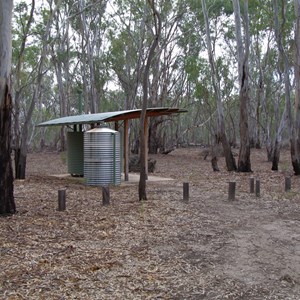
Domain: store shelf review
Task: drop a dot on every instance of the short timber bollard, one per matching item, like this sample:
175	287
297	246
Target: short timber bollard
61	200
186	192
257	188
251	182
287	183
105	195
231	190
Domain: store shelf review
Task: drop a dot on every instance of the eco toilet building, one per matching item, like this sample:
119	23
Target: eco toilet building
95	154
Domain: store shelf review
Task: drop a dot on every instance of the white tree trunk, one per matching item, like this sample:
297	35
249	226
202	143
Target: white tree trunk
5	46
230	161
244	164
86	36
7	204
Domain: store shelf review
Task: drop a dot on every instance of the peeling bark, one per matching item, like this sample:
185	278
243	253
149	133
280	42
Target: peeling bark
7	203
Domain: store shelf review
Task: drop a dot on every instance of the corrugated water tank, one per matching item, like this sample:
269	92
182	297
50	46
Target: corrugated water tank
75	153
102	159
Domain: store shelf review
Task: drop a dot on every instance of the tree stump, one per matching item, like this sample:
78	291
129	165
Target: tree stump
214	164
134	164
287	184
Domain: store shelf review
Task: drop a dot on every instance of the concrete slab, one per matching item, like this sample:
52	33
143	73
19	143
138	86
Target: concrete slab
133	178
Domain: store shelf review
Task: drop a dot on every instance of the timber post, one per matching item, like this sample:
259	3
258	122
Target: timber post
186	193
61	200
231	190
251	183
105	195
257	188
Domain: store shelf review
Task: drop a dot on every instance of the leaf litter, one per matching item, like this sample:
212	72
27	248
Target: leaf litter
162	248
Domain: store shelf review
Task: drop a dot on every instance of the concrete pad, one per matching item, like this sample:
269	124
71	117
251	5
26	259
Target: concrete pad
133	178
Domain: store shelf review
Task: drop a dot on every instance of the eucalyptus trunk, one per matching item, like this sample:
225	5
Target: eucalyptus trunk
222	136
295	141
244	164
62	96
7	203
62	69
19	145
22	148
286	116
143	172
94	105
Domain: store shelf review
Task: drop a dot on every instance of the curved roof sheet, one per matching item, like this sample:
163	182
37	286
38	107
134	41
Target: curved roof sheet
110	116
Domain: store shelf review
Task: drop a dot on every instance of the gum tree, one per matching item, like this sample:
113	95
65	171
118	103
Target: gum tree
35	82
7	204
243	45
143	121
295	140
230	161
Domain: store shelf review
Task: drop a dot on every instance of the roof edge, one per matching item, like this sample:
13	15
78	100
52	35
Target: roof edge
110	116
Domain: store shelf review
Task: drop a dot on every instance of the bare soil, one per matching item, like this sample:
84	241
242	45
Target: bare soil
162	248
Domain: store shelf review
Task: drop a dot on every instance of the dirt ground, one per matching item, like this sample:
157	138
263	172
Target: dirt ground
162	248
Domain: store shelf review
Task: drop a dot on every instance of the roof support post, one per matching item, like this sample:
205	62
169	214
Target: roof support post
126	150
116	126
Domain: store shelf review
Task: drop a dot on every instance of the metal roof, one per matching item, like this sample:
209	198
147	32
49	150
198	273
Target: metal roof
110	116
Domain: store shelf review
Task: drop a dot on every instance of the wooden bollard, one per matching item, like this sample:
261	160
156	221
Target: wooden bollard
186	192
287	183
231	190
105	195
61	200
251	183
257	188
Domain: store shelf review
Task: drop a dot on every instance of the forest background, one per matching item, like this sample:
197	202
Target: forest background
232	64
